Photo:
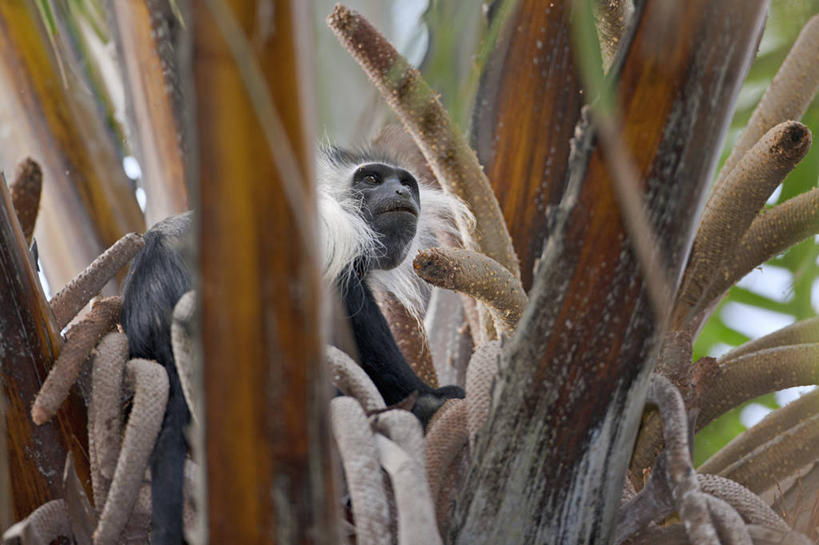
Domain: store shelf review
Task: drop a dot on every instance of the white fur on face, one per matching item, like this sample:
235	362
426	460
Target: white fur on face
345	235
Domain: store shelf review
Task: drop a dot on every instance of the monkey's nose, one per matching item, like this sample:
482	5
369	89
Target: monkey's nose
403	191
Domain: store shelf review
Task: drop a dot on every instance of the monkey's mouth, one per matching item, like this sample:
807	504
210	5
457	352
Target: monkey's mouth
399	207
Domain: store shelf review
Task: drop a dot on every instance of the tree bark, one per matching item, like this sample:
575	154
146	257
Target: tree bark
551	463
269	477
29	344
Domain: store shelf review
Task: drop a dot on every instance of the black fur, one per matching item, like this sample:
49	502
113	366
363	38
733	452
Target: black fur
380	356
159	276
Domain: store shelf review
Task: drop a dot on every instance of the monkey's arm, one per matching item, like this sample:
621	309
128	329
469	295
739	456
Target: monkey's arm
381	358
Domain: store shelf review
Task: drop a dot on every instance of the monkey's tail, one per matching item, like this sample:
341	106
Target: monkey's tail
168	467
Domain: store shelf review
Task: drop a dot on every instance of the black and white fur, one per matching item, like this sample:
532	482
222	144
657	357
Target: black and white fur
351	251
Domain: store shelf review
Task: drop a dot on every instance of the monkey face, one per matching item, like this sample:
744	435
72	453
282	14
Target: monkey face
390	204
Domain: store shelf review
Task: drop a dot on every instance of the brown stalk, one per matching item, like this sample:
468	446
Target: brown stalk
732	207
725	384
80	341
770	233
776	428
25	195
410	336
476	275
74	296
781	457
791	91
452	160
255	147
803	332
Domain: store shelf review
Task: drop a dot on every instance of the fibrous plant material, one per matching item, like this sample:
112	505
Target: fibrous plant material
802	332
445	439
480	375
80	341
149	382
770	233
359	455
104	412
404	429
476	275
455	165
25	195
776	448
750	506
733	206
352	380
45	524
791	91
416	514
74	296
725	384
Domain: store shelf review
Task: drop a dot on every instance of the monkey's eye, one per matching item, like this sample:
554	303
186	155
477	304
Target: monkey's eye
371	179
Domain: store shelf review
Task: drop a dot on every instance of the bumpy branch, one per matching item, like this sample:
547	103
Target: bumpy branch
149	382
480	375
735	203
359	455
771	233
80	341
478	276
452	160
351	379
727	383
25	195
776	448
750	506
70	300
446	438
691	505
803	332
416	514
104	412
788	96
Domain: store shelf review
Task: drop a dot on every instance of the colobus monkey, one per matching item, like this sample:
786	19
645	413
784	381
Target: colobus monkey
374	218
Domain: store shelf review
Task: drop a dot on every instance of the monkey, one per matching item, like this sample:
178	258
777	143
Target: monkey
373	215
